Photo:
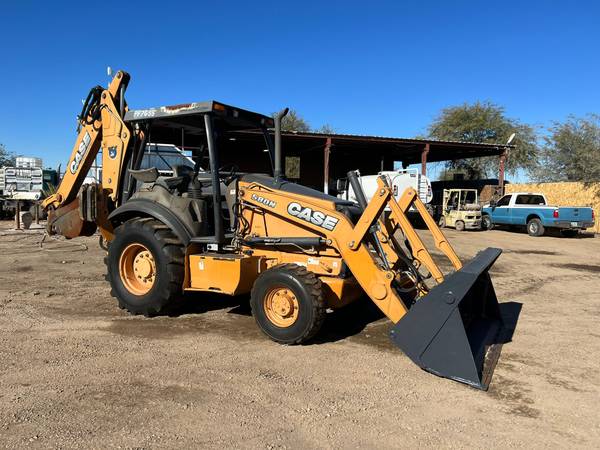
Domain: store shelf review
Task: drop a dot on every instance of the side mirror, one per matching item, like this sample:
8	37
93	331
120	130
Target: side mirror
493	203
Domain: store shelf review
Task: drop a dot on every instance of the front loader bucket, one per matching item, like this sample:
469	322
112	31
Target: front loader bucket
455	330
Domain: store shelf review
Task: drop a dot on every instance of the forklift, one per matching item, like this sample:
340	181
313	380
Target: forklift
460	210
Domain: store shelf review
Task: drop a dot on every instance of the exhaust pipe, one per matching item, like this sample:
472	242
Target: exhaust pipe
357	188
277	171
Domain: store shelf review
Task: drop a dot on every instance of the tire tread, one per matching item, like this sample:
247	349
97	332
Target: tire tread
172	250
315	288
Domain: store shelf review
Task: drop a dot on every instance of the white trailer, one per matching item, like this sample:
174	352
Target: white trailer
21	184
400	180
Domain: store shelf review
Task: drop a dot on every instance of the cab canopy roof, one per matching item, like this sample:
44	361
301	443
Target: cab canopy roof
188	115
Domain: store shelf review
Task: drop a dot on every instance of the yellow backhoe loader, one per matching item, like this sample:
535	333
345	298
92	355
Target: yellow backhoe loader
297	251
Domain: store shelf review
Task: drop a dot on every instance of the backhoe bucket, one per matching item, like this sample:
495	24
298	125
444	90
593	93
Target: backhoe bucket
455	330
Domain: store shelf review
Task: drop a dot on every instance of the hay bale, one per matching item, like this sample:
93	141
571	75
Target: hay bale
489	192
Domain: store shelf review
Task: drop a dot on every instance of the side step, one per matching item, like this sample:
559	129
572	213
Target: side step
455	331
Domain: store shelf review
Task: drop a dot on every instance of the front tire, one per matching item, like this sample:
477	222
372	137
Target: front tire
442	222
287	303
145	267
486	222
459	225
535	228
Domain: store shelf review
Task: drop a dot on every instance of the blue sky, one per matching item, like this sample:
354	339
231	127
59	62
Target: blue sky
382	68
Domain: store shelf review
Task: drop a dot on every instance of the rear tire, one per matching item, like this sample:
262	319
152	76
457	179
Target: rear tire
287	303
535	228
486	222
145	246
459	225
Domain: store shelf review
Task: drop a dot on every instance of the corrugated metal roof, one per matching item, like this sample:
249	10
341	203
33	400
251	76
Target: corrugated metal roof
394	139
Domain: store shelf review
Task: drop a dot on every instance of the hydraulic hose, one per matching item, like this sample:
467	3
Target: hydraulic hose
90	112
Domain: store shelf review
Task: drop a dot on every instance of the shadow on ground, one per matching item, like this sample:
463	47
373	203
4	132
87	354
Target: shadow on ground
201	302
510	312
340	324
348	321
549	232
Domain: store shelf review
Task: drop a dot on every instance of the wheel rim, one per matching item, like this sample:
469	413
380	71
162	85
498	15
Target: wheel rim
137	269
281	307
533	227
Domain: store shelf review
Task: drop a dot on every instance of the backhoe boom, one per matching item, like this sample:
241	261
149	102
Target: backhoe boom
100	126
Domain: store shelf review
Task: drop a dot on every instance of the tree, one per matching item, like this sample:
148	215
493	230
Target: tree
6	158
325	129
294	122
485	122
571	151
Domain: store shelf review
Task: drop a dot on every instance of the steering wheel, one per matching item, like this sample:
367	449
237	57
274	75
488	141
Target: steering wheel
232	173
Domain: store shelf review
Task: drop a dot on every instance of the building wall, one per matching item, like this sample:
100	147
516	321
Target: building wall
565	194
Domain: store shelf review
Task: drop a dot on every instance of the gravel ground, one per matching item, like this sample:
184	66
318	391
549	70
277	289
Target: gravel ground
78	372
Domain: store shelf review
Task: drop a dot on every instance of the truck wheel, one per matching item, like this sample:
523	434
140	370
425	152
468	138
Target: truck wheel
459	225
287	303
442	222
486	222
145	267
535	228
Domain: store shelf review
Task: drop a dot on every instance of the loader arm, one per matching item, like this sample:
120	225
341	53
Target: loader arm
100	126
350	240
453	329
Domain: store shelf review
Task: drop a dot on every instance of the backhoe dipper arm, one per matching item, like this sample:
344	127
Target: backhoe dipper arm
101	124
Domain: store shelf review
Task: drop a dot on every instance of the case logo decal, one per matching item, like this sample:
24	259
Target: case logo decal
81	151
315	217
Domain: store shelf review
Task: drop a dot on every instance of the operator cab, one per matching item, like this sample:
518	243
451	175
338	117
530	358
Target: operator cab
180	165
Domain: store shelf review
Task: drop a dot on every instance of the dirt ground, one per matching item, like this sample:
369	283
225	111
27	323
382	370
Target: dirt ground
78	372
